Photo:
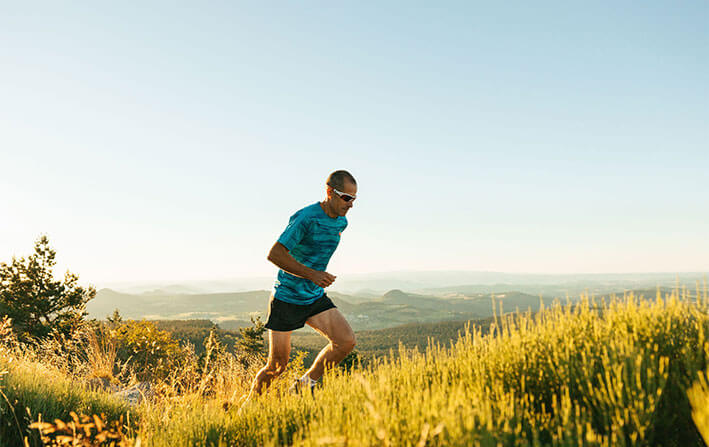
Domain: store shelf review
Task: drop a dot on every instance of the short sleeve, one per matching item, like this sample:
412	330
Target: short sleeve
295	231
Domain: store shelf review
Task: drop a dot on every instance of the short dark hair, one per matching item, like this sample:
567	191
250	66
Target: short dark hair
337	179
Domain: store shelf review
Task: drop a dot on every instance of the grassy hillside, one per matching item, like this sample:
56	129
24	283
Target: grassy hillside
33	389
587	376
594	374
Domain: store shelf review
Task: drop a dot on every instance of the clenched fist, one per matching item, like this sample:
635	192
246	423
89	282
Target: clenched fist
323	279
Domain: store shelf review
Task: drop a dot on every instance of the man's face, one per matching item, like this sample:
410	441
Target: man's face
341	207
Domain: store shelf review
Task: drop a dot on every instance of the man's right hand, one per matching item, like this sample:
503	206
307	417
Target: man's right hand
323	279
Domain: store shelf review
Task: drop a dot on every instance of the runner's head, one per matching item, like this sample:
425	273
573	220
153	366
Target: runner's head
341	191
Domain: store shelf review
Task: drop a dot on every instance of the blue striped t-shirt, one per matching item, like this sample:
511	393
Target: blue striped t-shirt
311	237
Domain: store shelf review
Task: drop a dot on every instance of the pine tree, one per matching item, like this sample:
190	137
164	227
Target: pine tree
115	318
251	345
38	304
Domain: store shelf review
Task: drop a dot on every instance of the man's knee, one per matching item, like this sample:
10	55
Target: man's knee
345	344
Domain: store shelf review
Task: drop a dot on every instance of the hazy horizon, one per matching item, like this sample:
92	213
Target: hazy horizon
415	280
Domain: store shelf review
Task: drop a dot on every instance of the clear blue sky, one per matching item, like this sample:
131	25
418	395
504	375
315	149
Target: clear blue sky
174	140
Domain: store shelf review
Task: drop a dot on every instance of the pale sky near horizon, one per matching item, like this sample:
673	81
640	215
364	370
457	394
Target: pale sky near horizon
172	141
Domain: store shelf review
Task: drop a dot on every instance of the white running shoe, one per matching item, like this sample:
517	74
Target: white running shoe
302	384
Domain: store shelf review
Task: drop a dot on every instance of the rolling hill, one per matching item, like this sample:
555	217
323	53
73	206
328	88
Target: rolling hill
233	310
168	306
393	308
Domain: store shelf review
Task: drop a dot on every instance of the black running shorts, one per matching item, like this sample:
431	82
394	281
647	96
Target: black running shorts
285	317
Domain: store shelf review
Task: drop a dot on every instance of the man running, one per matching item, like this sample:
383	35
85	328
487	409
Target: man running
302	253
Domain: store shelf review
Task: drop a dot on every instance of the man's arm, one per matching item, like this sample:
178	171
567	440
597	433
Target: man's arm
280	256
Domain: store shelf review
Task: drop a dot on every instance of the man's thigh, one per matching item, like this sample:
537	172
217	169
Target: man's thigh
332	324
278	346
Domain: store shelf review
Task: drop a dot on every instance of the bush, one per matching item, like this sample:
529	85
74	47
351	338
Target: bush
148	352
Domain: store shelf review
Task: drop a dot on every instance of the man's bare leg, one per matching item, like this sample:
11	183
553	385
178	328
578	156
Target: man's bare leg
278	353
331	324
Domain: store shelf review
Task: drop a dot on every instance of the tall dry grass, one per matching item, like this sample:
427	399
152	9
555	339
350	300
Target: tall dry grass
591	373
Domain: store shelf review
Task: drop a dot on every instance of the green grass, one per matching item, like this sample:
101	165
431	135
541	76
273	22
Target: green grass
31	390
592	374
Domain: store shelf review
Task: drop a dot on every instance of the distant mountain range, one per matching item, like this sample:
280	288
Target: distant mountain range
398	307
233	310
369	308
159	305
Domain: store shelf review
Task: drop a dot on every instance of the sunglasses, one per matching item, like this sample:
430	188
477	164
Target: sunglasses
344	196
